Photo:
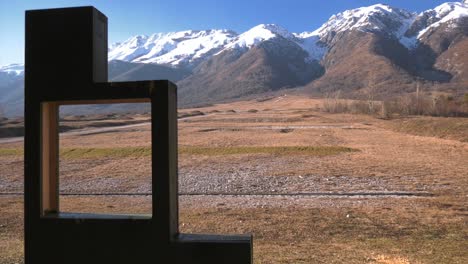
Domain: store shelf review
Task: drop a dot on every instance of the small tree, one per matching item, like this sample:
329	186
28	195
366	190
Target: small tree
418	99
384	110
464	104
2	113
370	93
334	104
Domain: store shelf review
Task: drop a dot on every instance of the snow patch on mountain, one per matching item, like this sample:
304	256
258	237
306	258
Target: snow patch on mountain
408	42
312	44
15	69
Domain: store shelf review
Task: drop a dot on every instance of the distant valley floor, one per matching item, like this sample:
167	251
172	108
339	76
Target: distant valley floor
244	165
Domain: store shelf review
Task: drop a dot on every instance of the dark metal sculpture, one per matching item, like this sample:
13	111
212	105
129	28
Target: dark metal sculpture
66	63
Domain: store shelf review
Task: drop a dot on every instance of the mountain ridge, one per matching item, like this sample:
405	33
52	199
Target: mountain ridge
399	47
147	49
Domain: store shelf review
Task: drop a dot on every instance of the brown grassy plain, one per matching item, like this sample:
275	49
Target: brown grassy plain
311	187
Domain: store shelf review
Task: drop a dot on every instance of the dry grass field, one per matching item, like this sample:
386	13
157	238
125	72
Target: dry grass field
312	187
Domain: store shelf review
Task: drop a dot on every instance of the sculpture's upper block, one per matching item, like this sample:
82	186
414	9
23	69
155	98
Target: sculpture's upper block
66	46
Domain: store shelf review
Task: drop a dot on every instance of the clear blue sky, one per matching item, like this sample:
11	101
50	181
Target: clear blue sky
127	18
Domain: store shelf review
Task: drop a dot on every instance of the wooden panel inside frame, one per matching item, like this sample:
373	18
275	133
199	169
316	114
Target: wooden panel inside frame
50	162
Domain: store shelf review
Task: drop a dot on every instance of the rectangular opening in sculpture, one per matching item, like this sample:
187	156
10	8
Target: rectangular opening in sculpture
96	159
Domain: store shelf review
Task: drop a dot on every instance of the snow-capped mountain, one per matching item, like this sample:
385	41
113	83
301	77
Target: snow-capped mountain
400	24
11	89
184	48
392	49
378	18
15	69
258	34
429	20
190	48
265	32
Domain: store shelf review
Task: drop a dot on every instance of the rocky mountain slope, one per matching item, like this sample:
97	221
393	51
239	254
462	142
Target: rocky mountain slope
11	90
389	49
378	49
265	58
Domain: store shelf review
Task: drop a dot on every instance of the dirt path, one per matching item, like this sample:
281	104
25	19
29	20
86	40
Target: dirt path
89	131
78	132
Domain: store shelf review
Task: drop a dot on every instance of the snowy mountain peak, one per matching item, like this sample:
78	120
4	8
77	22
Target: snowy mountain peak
449	12
272	28
375	18
380	18
259	34
16	69
183	48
